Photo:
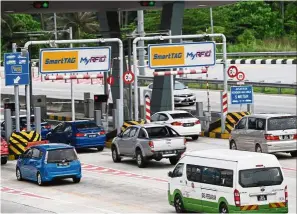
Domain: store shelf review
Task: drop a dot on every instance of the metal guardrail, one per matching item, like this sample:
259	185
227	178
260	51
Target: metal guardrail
245	54
232	83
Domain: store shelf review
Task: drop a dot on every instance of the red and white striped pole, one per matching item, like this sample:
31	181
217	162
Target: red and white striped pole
224	98
147	109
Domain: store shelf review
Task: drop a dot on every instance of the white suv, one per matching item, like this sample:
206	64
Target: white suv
182	95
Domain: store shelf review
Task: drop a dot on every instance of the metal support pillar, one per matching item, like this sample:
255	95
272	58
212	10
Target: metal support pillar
119	108
71	82
37	119
114	118
98	117
28	107
199	109
171	19
16	98
140	32
130	85
7	124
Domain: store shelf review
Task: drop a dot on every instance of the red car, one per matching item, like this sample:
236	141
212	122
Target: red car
4	151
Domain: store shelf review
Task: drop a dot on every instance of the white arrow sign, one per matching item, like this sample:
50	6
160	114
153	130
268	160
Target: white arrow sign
16	80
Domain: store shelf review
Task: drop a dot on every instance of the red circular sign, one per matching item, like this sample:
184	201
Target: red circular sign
232	71
110	80
240	76
128	77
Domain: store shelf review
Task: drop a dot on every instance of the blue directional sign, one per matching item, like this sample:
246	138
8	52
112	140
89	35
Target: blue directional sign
16	69
242	95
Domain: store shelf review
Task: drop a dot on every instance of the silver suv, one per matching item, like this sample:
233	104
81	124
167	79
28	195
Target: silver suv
269	133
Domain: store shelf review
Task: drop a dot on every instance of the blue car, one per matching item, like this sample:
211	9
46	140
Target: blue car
80	134
46	162
45	127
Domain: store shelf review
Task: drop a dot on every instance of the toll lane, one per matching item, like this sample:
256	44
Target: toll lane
115	187
263	102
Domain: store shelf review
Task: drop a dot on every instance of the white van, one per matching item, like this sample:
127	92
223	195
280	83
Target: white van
225	181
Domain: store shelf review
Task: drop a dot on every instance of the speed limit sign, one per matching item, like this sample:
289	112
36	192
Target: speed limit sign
240	76
128	77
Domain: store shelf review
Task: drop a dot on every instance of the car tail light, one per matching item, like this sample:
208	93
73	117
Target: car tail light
295	137
5	145
271	137
197	122
80	135
102	132
286	195
177	124
151	144
237	198
24	129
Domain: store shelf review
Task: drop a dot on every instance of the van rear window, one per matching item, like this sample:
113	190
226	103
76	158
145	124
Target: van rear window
60	155
260	177
282	123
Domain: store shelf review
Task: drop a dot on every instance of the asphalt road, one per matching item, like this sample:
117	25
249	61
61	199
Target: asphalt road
108	187
263	103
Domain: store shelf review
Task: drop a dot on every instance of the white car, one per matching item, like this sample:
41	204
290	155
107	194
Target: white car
181	121
182	95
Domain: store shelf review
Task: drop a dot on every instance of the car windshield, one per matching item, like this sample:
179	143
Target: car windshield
181	115
179	86
282	123
260	177
158	132
86	126
59	155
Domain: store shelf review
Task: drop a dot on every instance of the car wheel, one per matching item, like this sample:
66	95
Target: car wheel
174	160
115	156
223	208
293	154
258	148
195	137
233	145
141	162
100	148
39	179
4	160
76	180
179	205
18	174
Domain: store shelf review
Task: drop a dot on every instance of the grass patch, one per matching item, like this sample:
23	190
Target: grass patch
265	90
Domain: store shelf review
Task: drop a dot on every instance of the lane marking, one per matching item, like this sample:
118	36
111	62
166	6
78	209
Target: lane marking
106	170
19	192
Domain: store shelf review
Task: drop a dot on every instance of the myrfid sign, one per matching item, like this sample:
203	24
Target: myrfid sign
178	55
68	60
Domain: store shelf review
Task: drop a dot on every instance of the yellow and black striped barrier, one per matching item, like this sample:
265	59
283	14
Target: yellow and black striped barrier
18	142
215	128
59	118
131	123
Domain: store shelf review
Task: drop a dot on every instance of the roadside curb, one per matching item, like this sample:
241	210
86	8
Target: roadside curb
215	135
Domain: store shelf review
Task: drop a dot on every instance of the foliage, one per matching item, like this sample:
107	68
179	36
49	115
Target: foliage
248	25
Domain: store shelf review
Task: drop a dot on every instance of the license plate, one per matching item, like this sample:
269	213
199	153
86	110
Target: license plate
262	197
63	164
168	152
188	124
92	135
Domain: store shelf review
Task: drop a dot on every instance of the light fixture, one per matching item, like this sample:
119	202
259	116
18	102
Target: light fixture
9	11
202	5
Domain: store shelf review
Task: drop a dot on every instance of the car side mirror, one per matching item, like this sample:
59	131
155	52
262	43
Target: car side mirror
170	174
